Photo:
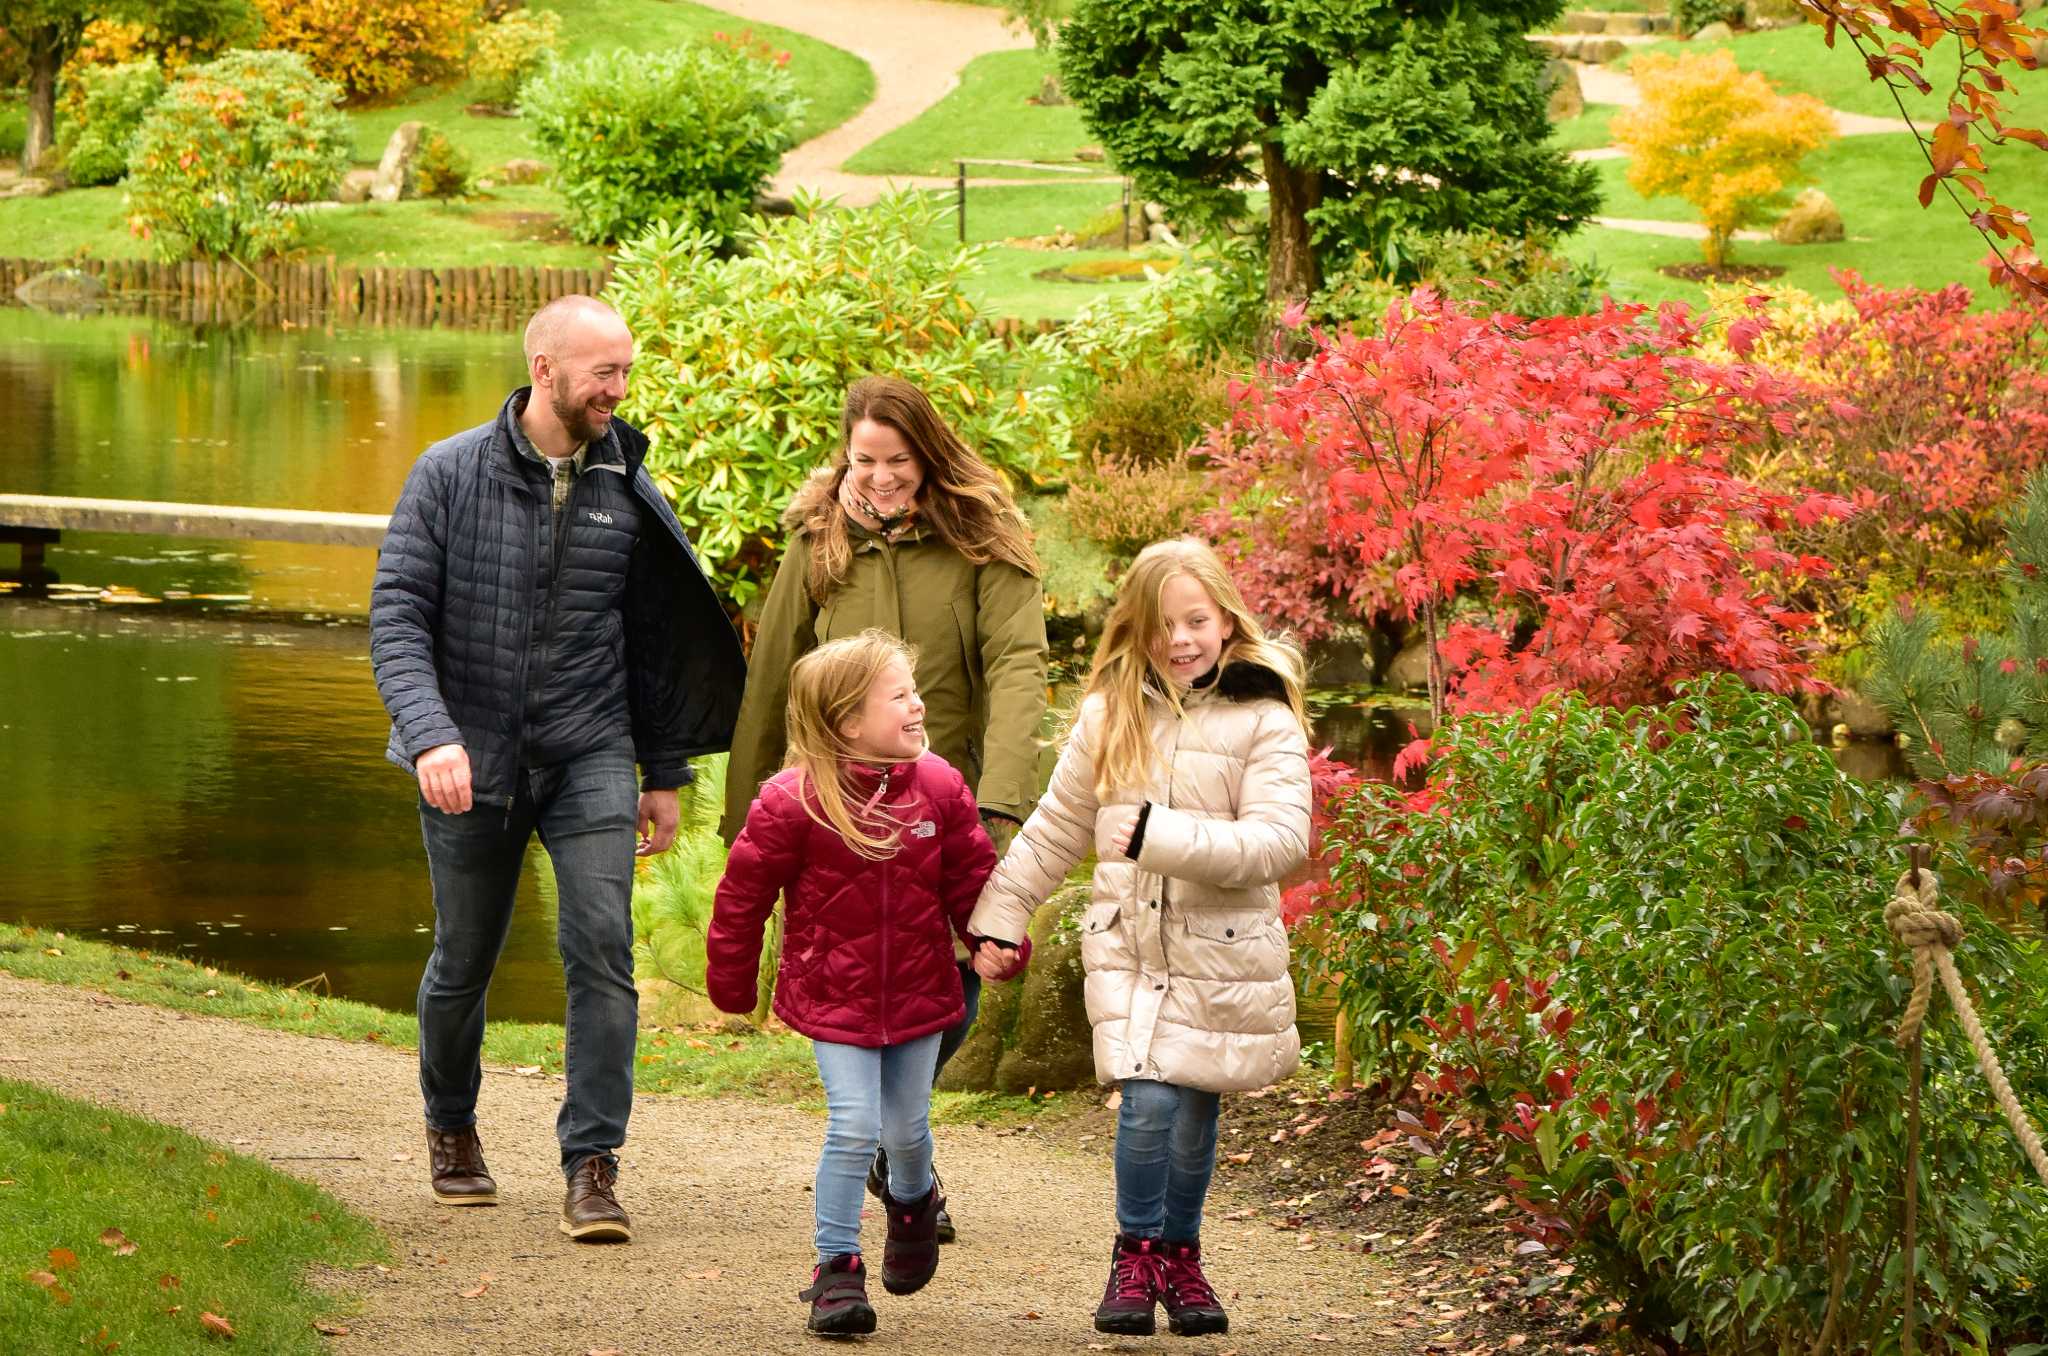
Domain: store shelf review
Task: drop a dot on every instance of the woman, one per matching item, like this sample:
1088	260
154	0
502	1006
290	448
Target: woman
910	532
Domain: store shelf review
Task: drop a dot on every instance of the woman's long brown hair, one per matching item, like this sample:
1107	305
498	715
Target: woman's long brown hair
962	501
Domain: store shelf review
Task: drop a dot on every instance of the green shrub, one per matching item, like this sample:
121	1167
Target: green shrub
1145	416
1640	954
104	112
1690	16
688	135
224	154
672	897
744	361
441	168
511	51
1523	275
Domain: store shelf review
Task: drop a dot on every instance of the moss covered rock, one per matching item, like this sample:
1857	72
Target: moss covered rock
1033	1032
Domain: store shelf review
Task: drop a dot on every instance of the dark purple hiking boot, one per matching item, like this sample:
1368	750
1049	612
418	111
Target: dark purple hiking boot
838	1293
912	1253
1136	1275
1192	1309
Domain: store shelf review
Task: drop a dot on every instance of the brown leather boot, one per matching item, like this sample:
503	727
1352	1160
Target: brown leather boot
590	1213
456	1158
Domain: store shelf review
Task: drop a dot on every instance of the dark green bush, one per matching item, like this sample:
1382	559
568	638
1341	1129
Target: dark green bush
1523	275
689	136
1144	416
104	114
1641	954
1691	16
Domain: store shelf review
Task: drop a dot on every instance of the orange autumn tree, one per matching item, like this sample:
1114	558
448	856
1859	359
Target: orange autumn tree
1719	137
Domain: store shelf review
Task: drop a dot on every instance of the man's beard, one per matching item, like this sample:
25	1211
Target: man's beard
575	417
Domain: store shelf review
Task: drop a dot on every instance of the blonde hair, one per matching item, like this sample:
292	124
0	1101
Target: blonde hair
962	501
1127	674
827	688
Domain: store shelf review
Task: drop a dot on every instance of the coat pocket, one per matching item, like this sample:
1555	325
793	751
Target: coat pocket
1102	937
1233	944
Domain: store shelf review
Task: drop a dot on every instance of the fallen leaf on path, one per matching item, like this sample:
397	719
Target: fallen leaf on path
1516	1339
1031	1313
168	1282
41	1278
63	1259
213	1190
1340	1317
483	1283
216	1326
118	1241
696	1044
235	1242
330	1329
1244	1157
710	1274
605	1351
401	1158
1246	1213
526	1070
1494	1206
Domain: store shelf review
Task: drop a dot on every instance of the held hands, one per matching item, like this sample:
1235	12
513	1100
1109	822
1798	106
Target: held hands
996	963
1120	837
660	810
444	778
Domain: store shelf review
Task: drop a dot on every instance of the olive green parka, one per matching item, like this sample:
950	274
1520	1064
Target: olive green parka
979	631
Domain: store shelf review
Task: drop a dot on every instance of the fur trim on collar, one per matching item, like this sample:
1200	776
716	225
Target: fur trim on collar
1243	682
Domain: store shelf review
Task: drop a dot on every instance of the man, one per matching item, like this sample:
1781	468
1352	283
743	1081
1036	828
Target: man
538	626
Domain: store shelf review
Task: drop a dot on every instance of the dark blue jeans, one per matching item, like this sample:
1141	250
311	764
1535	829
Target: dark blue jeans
585	811
1165	1155
953	1036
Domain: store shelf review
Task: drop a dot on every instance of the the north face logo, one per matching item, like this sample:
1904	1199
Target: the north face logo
924	828
598	517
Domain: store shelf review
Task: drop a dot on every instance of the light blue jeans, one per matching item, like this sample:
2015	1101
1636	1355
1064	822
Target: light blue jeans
1165	1155
872	1096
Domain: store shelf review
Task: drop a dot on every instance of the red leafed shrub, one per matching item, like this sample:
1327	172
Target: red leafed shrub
1568	473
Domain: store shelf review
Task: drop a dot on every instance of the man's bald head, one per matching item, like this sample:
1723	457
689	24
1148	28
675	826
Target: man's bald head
578	353
566	321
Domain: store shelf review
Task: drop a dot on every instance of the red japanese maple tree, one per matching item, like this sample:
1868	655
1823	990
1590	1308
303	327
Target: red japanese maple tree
1568	473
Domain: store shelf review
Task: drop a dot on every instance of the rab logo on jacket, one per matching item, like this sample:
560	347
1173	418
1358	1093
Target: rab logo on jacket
924	828
598	517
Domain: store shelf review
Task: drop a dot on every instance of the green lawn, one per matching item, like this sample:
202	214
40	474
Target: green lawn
837	84
13	127
988	116
211	1232
1586	131
774	1065
1873	179
1799	61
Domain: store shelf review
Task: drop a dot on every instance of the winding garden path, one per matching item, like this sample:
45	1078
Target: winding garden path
719	1191
917	49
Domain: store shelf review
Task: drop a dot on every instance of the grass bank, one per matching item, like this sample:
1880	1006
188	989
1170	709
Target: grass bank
990	114
709	1061
120	1233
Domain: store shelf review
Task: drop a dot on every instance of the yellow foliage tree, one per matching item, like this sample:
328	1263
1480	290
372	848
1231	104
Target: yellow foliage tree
372	50
1717	136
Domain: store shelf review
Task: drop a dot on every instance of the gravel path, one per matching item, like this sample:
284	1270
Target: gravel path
719	1192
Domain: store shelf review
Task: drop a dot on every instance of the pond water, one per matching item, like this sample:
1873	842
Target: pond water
205	774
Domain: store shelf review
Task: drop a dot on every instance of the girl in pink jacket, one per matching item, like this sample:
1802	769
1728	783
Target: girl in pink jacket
876	847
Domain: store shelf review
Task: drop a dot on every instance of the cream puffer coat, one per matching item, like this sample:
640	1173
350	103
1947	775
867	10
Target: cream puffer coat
1186	959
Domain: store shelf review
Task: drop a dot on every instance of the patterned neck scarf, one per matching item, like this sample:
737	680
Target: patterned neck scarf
888	526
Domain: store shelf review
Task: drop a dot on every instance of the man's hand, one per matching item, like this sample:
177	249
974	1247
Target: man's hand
444	778
659	809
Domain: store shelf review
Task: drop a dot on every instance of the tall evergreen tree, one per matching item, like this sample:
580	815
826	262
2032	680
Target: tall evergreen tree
1367	121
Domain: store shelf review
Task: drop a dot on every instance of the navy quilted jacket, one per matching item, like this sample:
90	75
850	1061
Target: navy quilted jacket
867	947
463	591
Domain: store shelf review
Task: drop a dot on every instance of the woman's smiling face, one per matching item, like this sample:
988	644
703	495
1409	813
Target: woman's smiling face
882	468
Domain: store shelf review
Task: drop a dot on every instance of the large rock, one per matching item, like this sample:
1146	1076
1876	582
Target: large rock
60	289
27	188
1713	32
1567	99
356	185
1813	219
521	171
1034	1032
1410	669
1584	21
1628	25
1864	718
1600	51
396	171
